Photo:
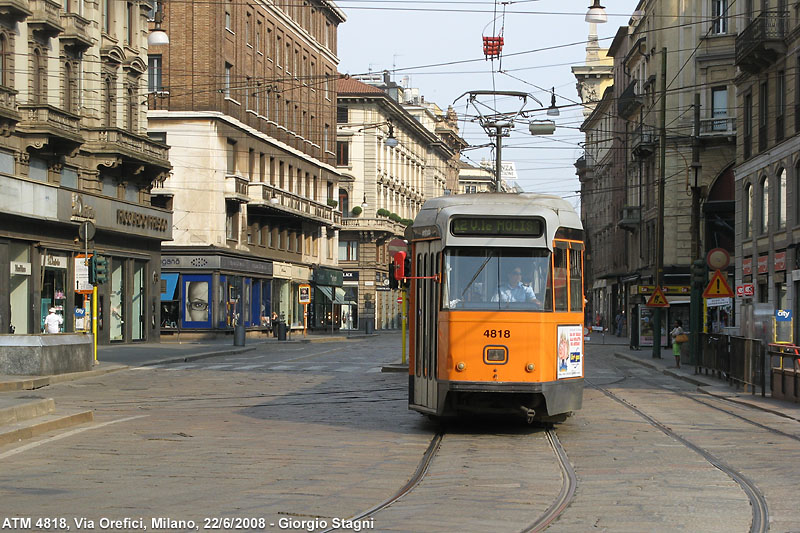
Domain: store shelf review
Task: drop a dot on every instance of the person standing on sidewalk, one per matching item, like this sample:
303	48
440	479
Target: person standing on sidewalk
676	346
53	321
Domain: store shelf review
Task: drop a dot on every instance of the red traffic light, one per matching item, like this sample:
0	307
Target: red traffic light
399	266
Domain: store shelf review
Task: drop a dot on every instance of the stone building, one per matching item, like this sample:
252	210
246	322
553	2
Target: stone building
245	95
699	61
767	174
392	158
74	150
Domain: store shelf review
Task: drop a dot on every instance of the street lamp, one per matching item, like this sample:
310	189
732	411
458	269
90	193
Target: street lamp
552	111
596	13
158	35
364	204
391	141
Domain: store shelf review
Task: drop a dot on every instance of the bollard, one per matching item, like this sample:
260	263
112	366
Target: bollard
238	335
281	330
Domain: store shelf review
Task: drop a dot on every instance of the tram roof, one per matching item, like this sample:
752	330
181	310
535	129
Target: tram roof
437	211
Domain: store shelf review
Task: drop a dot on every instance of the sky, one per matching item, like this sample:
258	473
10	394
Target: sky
439	47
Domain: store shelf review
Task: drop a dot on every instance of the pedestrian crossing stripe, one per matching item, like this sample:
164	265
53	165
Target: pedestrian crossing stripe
657	299
718	287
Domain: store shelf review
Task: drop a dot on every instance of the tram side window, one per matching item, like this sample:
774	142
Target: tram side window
560	276
575	280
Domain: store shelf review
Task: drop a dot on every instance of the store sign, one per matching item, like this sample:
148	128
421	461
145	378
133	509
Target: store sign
350	275
20	269
763	264
142	221
747	289
328	276
780	261
281	270
54	261
747	266
666	289
81	209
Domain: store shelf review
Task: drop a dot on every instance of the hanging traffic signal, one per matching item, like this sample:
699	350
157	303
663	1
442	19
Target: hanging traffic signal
392	279
407	271
699	274
92	271
101	269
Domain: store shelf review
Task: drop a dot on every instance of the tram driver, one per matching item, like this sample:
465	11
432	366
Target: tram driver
513	290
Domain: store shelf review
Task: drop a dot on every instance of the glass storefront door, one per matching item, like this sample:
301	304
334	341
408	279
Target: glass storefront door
117	300
137	301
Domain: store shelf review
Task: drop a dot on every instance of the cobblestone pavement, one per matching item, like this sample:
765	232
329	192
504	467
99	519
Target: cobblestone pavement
283	433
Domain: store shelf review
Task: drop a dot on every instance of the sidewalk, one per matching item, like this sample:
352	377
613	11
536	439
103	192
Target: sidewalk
111	358
708	384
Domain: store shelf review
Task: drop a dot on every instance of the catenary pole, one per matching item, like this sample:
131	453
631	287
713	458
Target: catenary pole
657	318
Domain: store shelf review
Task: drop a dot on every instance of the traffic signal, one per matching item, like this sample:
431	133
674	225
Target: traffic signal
392	280
407	270
699	274
399	266
92	271
100	269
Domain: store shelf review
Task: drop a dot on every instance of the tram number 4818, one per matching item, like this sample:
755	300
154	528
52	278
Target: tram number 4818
497	333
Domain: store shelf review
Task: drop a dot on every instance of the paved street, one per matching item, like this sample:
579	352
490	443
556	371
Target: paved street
314	431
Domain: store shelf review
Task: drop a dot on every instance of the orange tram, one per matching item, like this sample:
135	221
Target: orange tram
497	307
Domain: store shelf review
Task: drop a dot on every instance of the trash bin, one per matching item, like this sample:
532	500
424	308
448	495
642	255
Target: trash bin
369	326
239	335
281	328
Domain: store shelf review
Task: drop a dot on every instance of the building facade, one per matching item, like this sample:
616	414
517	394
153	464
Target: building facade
699	60
74	152
254	182
392	158
767	174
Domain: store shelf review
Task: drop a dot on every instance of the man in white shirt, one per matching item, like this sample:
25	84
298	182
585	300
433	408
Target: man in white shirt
53	321
515	291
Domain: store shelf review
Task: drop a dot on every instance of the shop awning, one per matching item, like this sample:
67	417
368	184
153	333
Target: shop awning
339	297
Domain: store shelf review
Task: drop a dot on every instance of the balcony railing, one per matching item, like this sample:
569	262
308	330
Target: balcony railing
761	43
46	17
630	217
76	31
15	10
374	224
49	120
266	195
8	104
643	141
719	126
236	188
127	144
629	100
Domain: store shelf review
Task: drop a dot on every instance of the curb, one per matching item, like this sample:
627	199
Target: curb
664	371
44	381
196	357
395	367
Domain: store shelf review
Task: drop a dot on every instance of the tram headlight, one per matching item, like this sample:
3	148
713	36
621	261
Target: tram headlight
461	366
530	367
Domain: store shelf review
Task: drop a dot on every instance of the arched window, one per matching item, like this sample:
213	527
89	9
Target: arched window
764	214
748	211
781	198
108	103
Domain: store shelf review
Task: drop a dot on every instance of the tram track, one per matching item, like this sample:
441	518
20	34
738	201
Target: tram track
760	511
556	508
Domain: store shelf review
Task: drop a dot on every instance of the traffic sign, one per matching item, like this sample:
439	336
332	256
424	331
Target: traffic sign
304	294
400	299
657	299
718	287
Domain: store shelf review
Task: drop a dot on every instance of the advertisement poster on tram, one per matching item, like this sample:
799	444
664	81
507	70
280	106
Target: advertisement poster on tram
570	352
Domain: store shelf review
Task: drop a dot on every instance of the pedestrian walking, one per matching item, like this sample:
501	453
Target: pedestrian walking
53	321
676	343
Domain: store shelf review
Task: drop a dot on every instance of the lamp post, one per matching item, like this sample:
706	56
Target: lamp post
596	13
158	35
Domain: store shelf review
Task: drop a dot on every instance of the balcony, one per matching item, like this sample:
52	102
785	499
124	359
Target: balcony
236	188
76	32
643	141
762	41
46	17
630	217
278	201
629	100
14	10
141	155
8	110
45	124
717	127
384	225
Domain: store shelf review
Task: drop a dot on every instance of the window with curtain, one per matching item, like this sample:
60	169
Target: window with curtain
780	198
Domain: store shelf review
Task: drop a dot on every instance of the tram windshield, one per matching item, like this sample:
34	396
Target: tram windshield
497	279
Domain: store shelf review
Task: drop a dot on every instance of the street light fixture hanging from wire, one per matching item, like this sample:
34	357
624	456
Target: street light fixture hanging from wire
158	35
596	13
553	111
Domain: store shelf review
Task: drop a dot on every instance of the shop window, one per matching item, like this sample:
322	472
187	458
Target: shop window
19	290
196	296
54	284
137	297
170	301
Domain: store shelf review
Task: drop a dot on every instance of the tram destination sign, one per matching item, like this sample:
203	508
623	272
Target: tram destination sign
497	226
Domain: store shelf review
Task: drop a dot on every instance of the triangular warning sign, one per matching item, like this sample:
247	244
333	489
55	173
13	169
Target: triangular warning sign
657	299
718	287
